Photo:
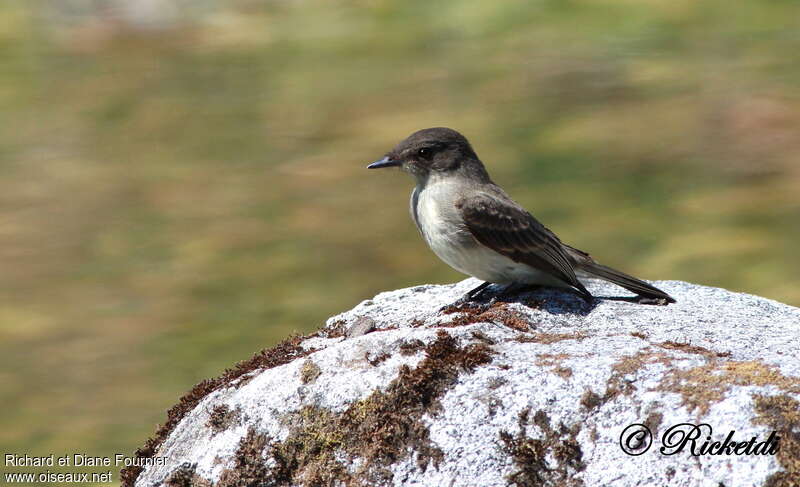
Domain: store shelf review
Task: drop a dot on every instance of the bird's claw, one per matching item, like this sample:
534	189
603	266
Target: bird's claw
467	302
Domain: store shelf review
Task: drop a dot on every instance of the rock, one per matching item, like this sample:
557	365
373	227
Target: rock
535	391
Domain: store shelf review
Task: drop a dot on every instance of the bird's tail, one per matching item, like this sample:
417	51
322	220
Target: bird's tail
621	279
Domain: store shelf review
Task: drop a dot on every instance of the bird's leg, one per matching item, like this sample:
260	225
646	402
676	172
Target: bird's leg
467	298
476	292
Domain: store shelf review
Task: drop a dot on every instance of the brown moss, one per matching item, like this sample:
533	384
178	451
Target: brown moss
563	372
283	353
782	414
497	312
630	364
530	454
548	338
639	335
618	383
412	346
551	359
248	464
373	433
529	457
590	400
306	456
554	362
185	476
222	418
309	371
336	329
687	348
376	360
479	335
702	386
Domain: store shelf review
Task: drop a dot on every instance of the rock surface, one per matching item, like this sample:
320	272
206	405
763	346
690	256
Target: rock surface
534	391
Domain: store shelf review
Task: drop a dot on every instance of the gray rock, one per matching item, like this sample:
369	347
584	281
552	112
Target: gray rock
535	391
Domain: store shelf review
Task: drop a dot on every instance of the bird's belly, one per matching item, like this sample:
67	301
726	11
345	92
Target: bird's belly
461	251
452	242
487	265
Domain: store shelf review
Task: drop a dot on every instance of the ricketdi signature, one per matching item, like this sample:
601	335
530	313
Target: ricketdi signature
698	439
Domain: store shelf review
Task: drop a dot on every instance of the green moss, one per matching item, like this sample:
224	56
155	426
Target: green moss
222	418
309	372
702	386
782	414
373	433
185	476
283	353
530	455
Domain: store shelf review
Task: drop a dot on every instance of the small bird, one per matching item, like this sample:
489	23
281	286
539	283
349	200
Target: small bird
475	227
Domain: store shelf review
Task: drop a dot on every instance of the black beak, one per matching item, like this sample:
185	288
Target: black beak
385	162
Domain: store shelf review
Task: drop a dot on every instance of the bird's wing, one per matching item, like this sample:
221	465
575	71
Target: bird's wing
506	228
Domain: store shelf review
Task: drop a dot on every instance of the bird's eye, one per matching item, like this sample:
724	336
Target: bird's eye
424	152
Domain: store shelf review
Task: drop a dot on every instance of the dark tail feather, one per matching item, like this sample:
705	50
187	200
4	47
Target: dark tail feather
628	282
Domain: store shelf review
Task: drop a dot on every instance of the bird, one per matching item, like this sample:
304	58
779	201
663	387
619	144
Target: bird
475	227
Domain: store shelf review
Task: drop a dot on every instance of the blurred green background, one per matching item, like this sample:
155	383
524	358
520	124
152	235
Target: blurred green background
182	183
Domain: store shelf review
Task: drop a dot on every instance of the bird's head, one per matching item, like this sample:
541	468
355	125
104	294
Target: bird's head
437	151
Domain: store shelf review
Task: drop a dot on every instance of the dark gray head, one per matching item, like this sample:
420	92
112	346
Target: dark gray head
438	151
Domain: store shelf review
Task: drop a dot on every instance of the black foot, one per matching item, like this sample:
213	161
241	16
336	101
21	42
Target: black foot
470	297
476	292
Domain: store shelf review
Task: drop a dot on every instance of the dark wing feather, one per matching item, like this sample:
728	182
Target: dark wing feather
509	230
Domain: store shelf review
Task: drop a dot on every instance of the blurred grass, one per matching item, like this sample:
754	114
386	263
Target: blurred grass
178	196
